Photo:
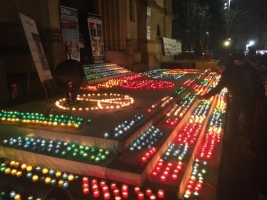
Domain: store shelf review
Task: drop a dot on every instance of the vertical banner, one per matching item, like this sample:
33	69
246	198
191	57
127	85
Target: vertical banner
36	47
148	16
96	37
172	47
70	31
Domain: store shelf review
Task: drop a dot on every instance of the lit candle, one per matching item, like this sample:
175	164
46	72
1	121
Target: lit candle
124	188
125	195
96	194
153	197
117	198
85	191
47	180
106	196
113	186
105	189
116	192
94	182
70	177
174	177
160	194
35	178
17	197
102	183
136	190
95	187
148	192
163	178
85	179
19	173
140	196
23	166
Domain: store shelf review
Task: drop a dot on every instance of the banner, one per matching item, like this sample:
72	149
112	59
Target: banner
148	16
96	37
172	47
70	31
36	48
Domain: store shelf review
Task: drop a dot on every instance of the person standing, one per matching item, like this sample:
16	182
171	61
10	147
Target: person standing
71	74
241	100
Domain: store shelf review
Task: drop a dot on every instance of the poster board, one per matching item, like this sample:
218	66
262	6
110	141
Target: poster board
148	17
172	47
70	31
96	37
36	48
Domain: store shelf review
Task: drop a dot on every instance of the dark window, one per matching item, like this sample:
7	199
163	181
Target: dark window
131	9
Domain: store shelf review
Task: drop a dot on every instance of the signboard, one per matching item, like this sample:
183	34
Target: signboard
36	48
96	37
172	47
70	31
148	16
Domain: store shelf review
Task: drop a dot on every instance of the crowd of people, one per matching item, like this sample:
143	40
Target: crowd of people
245	79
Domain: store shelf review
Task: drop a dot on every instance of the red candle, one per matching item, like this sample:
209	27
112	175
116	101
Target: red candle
174	177
144	159
113	186
140	196
153	197
94	182
85	179
136	190
105	189
148	192
124	188
163	178
85	185
106	196
85	191
102	183
95	187
116	192
125	195
158	169
96	194
117	198
154	174
160	194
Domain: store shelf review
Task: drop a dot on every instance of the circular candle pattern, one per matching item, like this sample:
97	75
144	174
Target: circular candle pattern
99	101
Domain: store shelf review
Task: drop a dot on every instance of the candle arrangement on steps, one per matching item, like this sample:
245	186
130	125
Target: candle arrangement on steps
72	151
41	119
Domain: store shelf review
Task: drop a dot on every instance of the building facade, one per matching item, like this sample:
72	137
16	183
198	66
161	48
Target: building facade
125	30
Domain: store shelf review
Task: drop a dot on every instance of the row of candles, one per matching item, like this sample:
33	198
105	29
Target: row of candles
114	101
147	84
59	148
211	138
127	125
162	103
41	119
98	71
43	175
182	71
14	195
113	189
146	139
102	76
168	76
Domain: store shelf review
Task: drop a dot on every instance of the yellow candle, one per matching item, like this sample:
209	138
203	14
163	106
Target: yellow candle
17	197
47	180
13	172
17	164
29	168
45	170
23	166
58	174
12	163
7	171
70	177
19	173
35	178
60	182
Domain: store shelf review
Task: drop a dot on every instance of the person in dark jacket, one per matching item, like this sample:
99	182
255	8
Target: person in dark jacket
241	100
72	76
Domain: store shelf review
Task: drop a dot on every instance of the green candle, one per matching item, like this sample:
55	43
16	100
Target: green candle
63	153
